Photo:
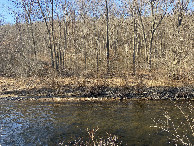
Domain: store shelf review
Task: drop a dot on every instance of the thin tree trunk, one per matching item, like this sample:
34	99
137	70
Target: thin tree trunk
54	46
107	37
49	33
150	57
65	44
60	50
143	31
31	29
85	59
152	35
134	45
97	64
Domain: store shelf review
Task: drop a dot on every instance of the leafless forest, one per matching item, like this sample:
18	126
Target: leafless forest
99	38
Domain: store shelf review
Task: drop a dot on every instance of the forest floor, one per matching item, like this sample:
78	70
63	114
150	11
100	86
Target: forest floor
62	89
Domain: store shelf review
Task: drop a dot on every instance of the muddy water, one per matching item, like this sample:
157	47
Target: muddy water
40	123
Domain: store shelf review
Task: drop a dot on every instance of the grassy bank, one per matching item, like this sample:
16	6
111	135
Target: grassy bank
133	87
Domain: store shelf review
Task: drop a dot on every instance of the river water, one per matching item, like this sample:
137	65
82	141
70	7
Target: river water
133	122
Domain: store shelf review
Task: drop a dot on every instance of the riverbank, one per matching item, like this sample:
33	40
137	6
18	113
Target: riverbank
68	89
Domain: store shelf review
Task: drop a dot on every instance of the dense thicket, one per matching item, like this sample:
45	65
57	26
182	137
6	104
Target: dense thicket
97	38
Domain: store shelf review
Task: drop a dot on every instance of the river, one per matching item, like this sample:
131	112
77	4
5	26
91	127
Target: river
133	122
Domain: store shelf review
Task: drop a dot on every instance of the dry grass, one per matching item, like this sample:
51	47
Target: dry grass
85	87
111	140
11	84
178	132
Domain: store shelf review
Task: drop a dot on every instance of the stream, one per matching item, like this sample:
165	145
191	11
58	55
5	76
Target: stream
142	122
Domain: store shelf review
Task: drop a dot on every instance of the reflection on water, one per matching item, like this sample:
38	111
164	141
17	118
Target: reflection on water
38	123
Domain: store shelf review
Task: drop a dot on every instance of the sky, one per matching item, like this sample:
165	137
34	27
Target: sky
6	13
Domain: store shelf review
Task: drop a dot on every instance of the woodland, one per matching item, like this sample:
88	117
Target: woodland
116	42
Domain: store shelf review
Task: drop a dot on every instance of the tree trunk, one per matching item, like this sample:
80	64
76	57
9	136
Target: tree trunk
152	35
107	37
134	45
53	45
49	33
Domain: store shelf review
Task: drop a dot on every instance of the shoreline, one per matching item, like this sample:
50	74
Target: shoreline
88	90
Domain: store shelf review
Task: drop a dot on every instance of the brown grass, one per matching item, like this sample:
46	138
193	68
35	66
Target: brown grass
11	84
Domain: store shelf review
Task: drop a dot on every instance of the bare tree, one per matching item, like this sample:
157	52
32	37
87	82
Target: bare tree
28	8
48	32
96	37
107	38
